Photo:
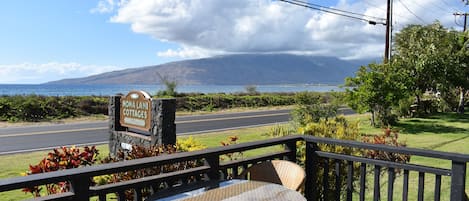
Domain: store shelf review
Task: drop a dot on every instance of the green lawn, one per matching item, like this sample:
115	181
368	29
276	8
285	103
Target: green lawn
444	132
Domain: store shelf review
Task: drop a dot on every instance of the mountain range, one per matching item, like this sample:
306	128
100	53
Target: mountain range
239	69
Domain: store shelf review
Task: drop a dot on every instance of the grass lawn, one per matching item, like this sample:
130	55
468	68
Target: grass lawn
443	132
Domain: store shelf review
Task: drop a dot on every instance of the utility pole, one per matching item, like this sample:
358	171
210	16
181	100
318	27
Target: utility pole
387	49
461	89
466	15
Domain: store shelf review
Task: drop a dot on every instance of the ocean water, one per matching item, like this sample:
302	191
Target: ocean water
106	90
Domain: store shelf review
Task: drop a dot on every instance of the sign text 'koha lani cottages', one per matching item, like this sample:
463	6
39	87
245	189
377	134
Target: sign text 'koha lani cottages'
135	110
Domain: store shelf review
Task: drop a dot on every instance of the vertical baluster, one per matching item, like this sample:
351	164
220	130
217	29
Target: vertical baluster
325	179
102	197
376	190
121	195
225	173
421	186
391	177
235	172
349	180
362	181
405	187
338	184
437	187
312	169
154	188
138	194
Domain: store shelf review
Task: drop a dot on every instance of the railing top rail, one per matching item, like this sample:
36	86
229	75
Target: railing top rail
403	150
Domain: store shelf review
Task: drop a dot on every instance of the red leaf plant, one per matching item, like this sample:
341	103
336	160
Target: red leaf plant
61	159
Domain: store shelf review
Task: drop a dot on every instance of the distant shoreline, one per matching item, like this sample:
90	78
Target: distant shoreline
110	89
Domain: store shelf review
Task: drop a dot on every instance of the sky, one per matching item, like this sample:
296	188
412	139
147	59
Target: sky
48	40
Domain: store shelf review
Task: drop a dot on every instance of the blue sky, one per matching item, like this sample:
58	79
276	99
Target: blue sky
53	39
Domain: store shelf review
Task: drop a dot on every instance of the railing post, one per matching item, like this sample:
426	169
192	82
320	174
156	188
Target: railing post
458	180
312	168
213	160
114	123
291	146
80	186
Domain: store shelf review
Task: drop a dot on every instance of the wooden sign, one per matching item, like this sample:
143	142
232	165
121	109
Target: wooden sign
135	110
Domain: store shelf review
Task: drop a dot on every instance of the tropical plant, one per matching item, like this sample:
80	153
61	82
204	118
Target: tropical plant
137	152
61	159
336	128
389	137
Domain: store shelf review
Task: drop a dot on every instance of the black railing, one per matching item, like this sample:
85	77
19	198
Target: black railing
457	173
318	184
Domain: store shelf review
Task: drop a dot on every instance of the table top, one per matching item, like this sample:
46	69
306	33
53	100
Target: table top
232	190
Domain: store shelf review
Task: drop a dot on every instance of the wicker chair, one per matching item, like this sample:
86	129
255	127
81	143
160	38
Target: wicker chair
282	172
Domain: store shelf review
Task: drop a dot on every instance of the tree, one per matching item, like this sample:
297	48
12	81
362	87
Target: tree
376	88
423	54
170	85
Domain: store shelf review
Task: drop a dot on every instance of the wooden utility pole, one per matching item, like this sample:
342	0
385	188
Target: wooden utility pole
461	89
387	50
465	18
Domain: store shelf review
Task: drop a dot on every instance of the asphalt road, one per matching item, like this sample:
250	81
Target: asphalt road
34	138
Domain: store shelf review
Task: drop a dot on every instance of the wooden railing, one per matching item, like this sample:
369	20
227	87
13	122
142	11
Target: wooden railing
216	169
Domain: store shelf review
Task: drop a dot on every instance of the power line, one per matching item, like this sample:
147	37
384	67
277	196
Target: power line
339	10
384	10
444	8
407	8
333	11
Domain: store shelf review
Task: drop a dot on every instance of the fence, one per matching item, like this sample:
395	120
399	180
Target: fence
214	169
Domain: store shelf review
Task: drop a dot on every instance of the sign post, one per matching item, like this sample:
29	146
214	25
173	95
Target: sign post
137	119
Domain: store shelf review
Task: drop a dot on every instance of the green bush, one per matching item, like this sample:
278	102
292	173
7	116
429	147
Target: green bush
311	107
209	102
39	108
336	128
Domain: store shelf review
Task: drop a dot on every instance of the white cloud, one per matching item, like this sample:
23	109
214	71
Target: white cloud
187	52
210	27
107	6
38	73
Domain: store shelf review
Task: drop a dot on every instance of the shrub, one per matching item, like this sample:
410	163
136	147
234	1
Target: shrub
189	144
336	128
142	152
280	131
39	108
61	159
209	102
389	137
231	156
311	107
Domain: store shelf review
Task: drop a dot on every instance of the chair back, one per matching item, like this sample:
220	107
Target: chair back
282	172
